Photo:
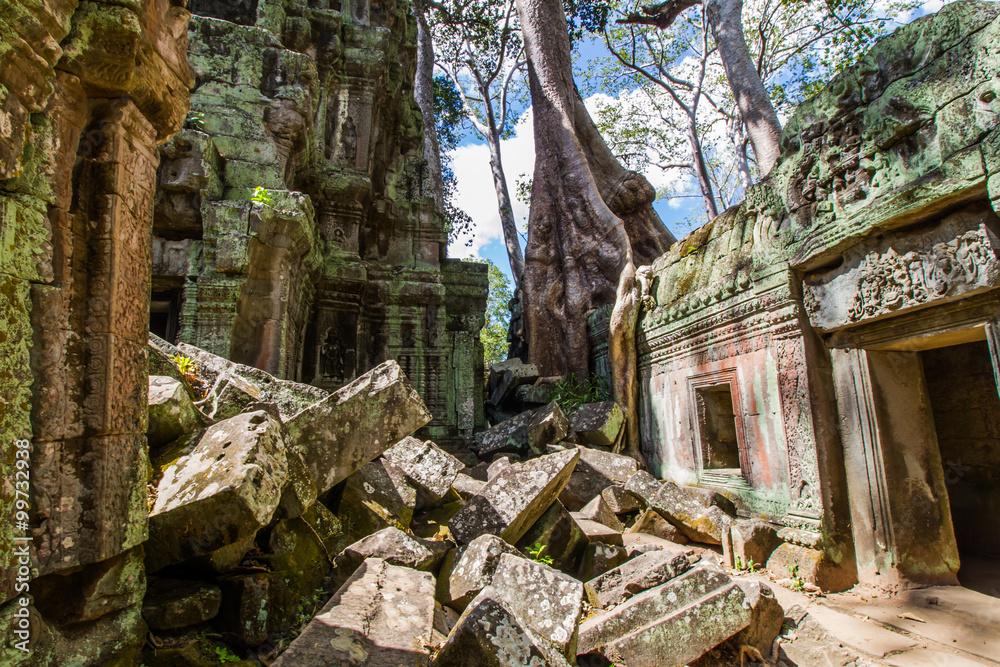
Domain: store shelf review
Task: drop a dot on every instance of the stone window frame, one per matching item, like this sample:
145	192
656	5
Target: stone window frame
701	381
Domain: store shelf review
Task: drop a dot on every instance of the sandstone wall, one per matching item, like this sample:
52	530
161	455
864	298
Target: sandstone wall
87	92
342	265
874	231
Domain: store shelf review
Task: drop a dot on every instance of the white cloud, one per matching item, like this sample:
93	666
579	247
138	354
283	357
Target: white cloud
476	194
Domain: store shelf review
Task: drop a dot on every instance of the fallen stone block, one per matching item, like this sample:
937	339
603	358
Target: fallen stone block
224	559
506	375
556	536
548	602
233	383
489	634
672	624
766	616
355	424
812	565
708	497
471	569
643	572
467	487
171	604
428	467
300	553
598	510
509	504
752	541
640	543
697	522
528	431
598	532
243	616
383	615
619	500
651	523
300	489
598	558
596	471
396	548
226	488
497	466
171	412
597	424
375	497
538	393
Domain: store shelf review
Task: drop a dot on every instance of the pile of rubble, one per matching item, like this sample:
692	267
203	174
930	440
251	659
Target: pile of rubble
270	494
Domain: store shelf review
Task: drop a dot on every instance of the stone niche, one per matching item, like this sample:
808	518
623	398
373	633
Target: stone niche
832	307
339	261
88	90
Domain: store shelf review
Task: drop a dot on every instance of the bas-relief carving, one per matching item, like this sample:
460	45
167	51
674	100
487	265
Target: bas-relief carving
882	146
904	271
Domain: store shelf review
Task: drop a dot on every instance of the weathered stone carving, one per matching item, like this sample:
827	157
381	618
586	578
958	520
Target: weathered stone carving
849	228
87	91
338	262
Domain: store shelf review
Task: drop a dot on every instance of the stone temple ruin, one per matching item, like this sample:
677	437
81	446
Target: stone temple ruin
828	353
243	179
345	266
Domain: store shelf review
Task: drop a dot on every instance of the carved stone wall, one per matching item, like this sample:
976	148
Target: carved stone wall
87	91
873	231
338	263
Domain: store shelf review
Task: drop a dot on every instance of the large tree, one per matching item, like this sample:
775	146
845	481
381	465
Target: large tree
726	20
591	221
478	47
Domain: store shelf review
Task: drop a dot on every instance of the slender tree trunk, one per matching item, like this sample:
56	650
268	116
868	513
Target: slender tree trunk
759	116
423	91
701	169
591	219
504	206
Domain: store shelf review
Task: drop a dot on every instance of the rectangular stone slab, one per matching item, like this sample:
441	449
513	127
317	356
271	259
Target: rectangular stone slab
510	503
382	617
355	424
672	624
432	469
547	601
489	634
643	572
225	488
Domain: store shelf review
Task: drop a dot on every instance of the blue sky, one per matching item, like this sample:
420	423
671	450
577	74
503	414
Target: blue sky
476	195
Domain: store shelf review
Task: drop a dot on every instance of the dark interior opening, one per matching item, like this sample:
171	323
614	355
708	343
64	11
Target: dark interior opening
243	12
164	314
966	408
717	422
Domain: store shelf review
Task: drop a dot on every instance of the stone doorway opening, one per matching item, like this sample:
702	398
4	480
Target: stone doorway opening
717	423
164	314
965	404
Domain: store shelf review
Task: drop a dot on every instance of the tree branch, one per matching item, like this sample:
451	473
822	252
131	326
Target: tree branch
661	15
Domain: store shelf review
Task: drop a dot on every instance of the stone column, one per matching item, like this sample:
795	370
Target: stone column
900	513
993	339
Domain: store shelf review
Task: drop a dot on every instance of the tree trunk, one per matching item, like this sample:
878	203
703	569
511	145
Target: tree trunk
423	91
622	355
701	169
590	217
504	205
755	106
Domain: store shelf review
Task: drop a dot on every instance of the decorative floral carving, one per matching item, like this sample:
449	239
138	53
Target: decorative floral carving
891	281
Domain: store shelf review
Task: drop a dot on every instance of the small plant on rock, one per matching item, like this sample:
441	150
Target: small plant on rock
798	583
574	391
536	553
224	655
261	195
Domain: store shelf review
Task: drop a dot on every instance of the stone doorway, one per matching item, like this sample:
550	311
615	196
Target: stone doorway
966	409
164	314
